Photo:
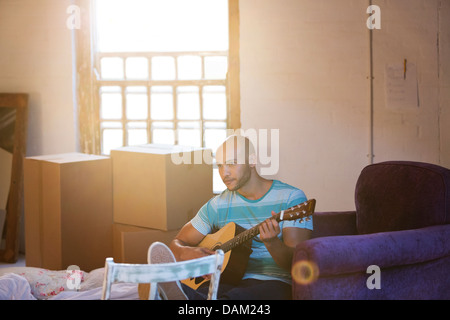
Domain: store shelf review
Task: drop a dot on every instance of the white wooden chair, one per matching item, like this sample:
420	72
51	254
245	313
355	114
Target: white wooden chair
163	273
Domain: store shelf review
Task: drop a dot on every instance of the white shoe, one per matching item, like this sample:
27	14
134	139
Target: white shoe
160	253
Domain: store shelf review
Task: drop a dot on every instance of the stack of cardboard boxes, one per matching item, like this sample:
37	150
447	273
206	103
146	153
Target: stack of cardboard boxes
81	209
157	190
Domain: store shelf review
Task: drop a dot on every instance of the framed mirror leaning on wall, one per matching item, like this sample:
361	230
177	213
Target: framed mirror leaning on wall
13	127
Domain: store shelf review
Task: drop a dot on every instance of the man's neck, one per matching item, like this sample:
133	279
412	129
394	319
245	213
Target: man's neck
256	187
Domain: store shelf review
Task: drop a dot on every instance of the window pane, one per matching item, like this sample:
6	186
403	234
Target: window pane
189	137
161	104
112	139
163	136
111	106
189	133
188	104
214	103
162	125
189	67
111	68
110	89
111	125
136	89
137	133
163	132
137	107
156	25
137	68
215	125
216	67
214	137
163	68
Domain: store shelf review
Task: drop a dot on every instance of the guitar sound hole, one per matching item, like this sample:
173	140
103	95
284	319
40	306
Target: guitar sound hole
197	280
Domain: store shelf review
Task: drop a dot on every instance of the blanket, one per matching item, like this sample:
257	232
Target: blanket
28	283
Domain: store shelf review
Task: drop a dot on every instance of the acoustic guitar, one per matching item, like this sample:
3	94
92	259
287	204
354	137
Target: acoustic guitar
235	242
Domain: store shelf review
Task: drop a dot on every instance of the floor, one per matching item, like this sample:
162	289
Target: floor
20	262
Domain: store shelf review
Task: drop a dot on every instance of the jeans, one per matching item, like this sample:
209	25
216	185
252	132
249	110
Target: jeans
248	289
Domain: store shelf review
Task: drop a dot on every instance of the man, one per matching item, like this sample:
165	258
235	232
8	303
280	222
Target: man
248	200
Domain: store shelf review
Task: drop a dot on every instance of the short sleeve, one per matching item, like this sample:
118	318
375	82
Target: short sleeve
297	197
201	221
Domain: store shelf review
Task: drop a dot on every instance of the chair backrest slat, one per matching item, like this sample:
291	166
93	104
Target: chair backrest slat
163	272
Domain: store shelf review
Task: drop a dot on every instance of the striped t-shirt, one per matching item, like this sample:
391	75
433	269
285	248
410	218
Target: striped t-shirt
230	206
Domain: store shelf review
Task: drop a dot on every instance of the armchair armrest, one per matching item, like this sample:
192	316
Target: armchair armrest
334	223
349	254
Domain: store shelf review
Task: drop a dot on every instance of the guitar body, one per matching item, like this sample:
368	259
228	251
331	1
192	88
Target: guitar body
235	261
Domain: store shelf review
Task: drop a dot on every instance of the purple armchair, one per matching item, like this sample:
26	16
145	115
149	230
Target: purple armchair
401	225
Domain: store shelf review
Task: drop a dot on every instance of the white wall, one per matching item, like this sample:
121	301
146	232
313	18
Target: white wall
444	81
410	31
305	70
36	58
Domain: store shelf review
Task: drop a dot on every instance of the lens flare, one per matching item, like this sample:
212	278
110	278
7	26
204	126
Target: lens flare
305	272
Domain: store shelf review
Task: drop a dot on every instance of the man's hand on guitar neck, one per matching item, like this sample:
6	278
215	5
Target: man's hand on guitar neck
269	230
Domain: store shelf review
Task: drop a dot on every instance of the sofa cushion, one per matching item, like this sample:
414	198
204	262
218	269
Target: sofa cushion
401	195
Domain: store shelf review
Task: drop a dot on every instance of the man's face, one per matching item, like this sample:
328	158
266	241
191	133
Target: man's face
233	167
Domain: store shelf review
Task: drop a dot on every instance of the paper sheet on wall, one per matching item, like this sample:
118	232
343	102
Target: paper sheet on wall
401	86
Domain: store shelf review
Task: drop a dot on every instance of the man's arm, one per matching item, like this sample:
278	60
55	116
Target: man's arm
184	246
282	251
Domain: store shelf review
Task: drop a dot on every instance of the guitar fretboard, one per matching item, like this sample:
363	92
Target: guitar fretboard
240	238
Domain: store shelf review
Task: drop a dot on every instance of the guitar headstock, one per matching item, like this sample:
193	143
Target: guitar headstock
301	211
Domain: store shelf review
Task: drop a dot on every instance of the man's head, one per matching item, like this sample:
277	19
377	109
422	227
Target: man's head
236	160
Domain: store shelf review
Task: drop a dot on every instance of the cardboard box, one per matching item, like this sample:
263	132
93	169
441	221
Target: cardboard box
131	243
158	186
68	211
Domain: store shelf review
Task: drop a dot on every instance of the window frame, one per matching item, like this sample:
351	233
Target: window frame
87	77
148	83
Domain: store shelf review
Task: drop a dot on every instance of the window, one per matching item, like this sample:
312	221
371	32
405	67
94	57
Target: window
164	72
